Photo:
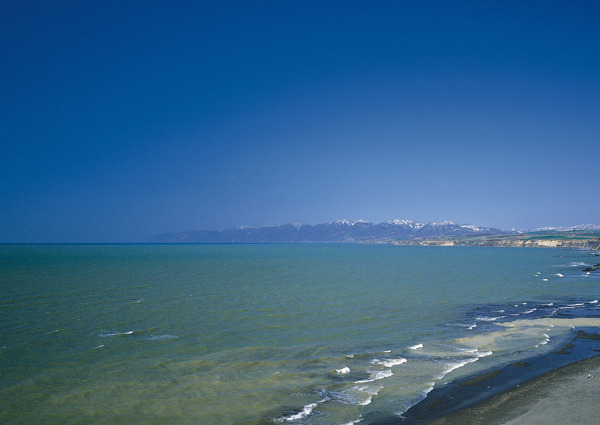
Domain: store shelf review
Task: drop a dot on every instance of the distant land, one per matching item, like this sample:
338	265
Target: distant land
573	238
399	232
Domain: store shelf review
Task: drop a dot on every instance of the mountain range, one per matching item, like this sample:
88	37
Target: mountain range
332	232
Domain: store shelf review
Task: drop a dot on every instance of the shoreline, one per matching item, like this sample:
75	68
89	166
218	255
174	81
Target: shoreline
568	394
558	387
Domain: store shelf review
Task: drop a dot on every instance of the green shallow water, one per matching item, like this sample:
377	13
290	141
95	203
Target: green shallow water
253	334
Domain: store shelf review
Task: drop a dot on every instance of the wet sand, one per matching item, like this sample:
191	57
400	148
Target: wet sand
568	395
561	387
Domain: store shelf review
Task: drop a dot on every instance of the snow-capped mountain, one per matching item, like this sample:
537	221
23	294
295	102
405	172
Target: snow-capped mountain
334	231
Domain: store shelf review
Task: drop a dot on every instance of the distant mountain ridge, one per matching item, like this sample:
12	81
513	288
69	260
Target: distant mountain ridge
332	232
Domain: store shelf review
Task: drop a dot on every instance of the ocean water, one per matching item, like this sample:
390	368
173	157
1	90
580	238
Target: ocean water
267	334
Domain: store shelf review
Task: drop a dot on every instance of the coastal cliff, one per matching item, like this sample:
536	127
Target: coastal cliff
573	239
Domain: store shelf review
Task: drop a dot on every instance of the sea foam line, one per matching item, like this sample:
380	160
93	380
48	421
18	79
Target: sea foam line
376	376
306	410
389	362
106	334
488	319
453	366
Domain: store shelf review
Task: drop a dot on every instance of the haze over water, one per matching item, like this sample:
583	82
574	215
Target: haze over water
304	334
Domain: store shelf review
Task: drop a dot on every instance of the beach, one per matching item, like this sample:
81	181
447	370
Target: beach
562	395
568	395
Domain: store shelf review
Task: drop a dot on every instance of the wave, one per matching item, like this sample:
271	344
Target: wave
576	264
367	373
370	393
544	342
389	362
488	319
422	396
106	334
376	376
161	337
306	410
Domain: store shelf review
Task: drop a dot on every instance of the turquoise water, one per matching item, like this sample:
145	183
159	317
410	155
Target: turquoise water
258	334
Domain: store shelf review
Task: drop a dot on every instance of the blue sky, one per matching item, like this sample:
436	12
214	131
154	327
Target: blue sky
120	120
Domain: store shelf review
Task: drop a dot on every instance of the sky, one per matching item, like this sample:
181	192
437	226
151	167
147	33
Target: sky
120	120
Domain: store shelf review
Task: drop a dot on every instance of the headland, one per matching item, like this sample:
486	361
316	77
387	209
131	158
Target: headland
584	239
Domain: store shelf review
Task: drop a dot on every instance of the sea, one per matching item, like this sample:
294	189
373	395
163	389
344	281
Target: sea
271	333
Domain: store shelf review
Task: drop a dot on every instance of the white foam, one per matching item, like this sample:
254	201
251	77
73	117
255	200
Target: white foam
370	391
593	302
417	400
545	341
559	275
577	264
553	321
389	362
376	376
488	319
306	410
530	310
393	362
161	337
453	366
366	401
416	347
343	370
476	355
106	334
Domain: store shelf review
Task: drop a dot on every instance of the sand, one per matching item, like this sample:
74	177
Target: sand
567	395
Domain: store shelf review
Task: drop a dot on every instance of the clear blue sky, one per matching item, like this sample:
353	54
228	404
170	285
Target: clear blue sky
123	119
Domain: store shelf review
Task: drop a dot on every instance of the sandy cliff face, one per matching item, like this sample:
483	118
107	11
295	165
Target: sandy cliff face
591	243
